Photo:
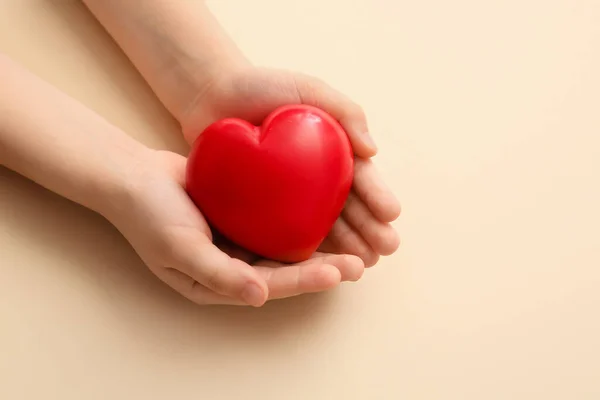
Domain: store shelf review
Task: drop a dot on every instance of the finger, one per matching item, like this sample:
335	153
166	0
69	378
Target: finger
343	239
288	281
350	115
311	276
283	88
381	236
351	267
193	291
197	257
370	187
294	280
197	293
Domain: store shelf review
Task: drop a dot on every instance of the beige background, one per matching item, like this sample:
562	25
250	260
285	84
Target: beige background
488	116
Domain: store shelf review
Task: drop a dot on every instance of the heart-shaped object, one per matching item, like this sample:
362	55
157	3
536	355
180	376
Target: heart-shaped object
275	189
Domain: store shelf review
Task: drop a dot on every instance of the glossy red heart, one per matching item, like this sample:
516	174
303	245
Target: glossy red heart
275	189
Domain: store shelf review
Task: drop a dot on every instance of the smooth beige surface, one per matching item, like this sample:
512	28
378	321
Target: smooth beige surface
488	116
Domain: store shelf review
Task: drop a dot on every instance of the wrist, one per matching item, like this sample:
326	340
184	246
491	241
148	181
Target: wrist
115	196
196	77
179	47
204	105
62	145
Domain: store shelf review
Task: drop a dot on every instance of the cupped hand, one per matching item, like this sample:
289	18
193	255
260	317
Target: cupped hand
172	237
251	93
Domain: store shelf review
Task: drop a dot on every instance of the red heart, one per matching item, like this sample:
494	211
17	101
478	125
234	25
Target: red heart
275	190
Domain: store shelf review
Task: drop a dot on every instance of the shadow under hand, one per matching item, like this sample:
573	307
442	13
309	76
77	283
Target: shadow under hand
76	271
87	264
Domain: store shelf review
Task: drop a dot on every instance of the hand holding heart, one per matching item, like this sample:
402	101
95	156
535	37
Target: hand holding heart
277	189
208	268
201	76
251	94
174	239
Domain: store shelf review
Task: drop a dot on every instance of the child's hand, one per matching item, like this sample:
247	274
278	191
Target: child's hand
70	150
171	236
252	93
201	76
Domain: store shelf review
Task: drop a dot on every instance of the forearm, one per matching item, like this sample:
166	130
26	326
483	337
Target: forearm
177	46
58	143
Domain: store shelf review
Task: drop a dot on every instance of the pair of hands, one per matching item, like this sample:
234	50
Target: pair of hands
174	240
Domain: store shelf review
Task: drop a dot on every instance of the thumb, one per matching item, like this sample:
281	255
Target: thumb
350	115
215	270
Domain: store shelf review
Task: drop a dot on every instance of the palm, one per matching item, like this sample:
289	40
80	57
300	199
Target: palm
188	240
363	229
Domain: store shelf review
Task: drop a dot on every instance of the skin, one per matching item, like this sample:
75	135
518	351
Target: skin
200	76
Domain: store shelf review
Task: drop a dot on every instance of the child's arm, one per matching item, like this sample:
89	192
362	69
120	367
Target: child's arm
55	141
177	46
182	52
201	76
51	139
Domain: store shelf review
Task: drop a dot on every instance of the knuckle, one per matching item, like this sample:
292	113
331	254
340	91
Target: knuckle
356	113
213	278
315	82
356	110
370	258
307	88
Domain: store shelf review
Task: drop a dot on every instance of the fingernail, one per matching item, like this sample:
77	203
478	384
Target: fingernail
253	295
368	140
